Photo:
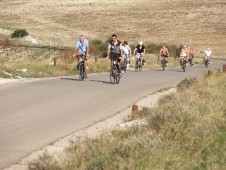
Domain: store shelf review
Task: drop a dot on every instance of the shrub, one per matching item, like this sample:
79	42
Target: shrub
19	33
153	48
96	42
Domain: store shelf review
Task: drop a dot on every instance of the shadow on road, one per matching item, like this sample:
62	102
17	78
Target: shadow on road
72	79
173	70
101	81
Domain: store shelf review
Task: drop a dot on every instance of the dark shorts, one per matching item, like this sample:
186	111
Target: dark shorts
115	57
164	55
85	58
191	56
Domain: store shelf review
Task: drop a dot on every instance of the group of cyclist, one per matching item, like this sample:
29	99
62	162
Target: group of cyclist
188	54
117	50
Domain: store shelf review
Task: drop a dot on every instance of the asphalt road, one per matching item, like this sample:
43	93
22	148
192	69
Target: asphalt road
35	114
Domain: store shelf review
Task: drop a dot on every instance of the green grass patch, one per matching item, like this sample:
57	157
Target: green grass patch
19	33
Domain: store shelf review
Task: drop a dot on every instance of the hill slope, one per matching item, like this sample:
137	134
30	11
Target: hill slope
174	21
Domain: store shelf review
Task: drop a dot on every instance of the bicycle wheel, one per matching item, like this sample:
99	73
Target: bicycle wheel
111	77
140	67
136	66
81	71
190	62
125	65
184	65
206	63
163	65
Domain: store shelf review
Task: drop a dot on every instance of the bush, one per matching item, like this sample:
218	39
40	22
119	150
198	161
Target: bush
99	47
19	33
96	42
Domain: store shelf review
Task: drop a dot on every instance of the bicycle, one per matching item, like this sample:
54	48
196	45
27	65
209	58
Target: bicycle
114	73
81	67
124	64
206	61
183	63
190	60
163	63
138	65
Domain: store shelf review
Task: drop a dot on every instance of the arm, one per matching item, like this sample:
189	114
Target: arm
76	50
108	53
130	51
121	52
134	50
87	51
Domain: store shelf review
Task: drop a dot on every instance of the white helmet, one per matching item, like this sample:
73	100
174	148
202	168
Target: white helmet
141	43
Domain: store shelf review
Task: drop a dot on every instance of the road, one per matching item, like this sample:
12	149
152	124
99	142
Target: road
35	114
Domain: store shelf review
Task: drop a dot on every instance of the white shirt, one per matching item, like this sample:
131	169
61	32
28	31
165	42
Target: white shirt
208	53
126	49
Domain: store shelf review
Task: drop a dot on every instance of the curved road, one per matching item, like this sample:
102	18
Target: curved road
35	114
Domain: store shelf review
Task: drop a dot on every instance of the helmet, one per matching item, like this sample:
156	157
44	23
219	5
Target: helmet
141	43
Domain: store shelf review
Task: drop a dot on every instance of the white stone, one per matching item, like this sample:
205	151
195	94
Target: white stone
24	70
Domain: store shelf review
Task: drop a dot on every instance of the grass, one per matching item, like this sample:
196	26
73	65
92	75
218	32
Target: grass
39	62
185	131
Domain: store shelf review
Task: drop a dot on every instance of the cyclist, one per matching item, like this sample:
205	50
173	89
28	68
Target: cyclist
126	50
208	53
191	55
183	54
82	48
140	49
164	52
115	51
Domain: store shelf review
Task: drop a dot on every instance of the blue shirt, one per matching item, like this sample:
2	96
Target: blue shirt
82	47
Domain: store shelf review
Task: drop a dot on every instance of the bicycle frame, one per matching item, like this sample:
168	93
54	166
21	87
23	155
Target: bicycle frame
114	73
82	67
138	65
163	63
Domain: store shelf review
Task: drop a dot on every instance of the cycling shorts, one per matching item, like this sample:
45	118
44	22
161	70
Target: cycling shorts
164	55
140	55
183	56
115	57
79	56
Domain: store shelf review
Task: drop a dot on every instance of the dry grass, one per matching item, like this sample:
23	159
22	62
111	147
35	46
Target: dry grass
186	131
39	63
171	21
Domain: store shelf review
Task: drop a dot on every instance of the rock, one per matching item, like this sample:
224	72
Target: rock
124	126
24	70
6	73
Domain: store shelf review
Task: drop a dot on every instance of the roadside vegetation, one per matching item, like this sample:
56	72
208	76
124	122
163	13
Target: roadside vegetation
186	130
32	62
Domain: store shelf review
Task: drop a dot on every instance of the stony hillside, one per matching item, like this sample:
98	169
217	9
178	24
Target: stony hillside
170	21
